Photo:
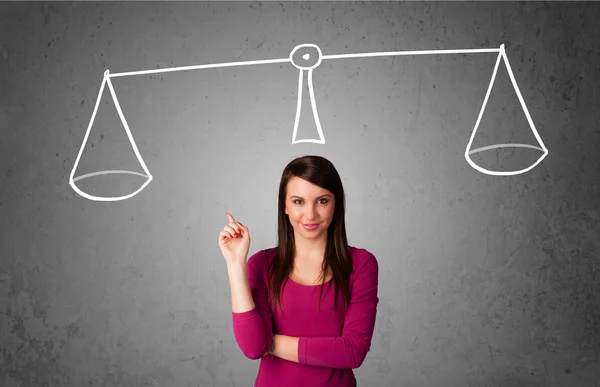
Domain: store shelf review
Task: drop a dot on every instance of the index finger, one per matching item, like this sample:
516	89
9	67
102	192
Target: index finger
231	219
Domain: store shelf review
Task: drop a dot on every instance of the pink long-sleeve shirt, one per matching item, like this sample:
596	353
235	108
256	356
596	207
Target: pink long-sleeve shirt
331	342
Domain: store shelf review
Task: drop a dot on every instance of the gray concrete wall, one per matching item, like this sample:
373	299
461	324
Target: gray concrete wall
484	280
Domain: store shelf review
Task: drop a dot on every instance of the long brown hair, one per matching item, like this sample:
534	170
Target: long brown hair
321	172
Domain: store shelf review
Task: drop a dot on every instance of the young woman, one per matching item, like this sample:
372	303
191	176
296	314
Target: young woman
302	337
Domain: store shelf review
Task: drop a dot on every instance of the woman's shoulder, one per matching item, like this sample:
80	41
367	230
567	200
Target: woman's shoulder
361	257
361	254
260	260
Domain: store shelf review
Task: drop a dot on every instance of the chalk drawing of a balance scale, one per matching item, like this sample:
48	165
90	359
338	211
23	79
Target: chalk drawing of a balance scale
306	57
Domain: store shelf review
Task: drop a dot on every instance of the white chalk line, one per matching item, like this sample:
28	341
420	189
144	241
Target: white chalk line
200	67
288	60
108	172
418	52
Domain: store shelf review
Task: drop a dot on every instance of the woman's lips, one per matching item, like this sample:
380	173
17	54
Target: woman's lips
310	227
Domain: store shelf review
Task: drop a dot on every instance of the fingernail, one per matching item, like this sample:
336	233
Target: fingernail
240	231
240	223
231	236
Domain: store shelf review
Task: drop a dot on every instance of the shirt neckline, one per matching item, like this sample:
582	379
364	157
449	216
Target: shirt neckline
309	286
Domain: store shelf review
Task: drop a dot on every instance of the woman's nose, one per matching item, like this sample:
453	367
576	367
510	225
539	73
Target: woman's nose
310	212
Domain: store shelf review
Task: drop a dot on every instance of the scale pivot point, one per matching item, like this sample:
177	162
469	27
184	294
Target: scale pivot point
304	54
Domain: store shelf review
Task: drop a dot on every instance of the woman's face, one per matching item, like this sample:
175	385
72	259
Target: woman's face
309	204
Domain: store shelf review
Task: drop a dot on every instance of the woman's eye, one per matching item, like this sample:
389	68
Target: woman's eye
298	200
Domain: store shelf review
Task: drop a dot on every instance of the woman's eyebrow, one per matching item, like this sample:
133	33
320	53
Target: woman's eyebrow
296	196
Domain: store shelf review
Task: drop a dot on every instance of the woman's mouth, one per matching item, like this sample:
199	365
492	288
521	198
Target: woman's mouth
310	226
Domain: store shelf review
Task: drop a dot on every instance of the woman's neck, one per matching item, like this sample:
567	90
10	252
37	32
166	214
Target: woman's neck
310	249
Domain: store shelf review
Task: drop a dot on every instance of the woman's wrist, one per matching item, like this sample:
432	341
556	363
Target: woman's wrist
272	349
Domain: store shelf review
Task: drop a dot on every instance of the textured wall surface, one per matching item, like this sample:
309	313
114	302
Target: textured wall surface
484	280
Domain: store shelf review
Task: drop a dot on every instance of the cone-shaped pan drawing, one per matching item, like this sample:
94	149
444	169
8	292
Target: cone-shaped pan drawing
72	179
469	151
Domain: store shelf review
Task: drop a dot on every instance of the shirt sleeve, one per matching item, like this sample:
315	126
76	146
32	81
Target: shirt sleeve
349	350
253	329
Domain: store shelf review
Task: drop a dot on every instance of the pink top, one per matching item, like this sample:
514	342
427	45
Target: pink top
332	342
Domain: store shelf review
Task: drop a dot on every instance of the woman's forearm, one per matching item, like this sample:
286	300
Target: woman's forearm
286	347
241	296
